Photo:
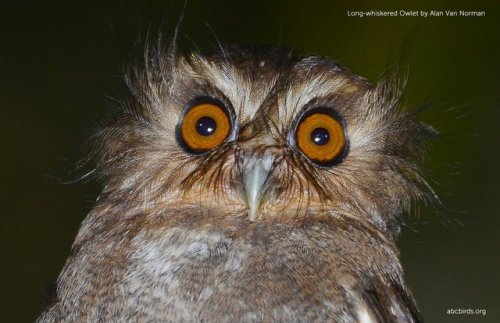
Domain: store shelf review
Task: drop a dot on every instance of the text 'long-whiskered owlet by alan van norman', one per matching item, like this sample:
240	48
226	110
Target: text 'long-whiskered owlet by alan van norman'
253	184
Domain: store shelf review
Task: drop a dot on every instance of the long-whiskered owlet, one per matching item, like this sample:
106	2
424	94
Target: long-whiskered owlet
252	184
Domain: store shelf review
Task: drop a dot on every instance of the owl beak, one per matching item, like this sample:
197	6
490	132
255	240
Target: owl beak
256	171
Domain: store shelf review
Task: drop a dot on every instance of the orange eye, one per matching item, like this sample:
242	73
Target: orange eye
203	127
321	138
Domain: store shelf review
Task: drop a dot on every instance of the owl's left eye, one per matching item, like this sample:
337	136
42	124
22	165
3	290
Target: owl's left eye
320	137
204	126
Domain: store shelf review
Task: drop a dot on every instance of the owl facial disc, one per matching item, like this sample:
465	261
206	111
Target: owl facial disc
256	175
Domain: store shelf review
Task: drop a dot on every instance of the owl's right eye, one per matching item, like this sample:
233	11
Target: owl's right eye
204	126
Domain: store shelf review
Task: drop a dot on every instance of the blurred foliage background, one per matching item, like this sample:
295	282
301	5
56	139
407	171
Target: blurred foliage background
62	61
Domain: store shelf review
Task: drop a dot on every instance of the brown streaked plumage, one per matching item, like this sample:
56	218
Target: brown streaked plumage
252	228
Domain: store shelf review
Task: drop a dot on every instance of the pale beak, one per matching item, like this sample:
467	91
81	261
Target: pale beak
256	175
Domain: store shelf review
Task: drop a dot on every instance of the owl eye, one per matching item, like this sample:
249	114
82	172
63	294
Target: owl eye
204	126
320	137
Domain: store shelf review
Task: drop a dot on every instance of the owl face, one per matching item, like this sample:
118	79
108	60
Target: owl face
261	135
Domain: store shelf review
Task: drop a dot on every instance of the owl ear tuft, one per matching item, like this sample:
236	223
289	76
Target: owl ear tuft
394	79
406	137
172	46
393	82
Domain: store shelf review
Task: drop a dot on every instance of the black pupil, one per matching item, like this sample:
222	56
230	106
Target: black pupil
206	126
320	136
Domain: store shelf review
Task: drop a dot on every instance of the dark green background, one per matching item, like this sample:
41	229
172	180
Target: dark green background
59	60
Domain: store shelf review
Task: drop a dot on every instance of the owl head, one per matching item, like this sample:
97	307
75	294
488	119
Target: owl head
260	134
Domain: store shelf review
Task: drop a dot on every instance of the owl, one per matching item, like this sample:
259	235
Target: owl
250	184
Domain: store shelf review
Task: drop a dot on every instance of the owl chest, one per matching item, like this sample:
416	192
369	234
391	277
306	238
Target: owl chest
198	275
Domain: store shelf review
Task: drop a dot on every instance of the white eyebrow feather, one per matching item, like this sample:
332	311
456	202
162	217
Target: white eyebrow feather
238	88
